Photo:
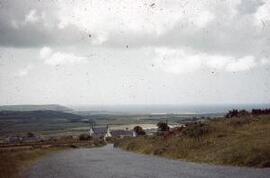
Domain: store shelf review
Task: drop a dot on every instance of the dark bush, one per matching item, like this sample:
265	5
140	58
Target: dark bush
139	130
163	126
84	137
254	112
260	111
30	134
237	113
73	146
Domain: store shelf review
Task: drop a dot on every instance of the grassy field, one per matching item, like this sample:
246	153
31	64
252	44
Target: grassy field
236	141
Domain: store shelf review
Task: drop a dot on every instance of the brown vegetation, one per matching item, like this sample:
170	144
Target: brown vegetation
12	163
240	141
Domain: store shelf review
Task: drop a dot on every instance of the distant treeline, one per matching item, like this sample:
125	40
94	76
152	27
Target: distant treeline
239	113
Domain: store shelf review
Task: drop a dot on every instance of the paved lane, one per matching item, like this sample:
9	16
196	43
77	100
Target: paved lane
108	162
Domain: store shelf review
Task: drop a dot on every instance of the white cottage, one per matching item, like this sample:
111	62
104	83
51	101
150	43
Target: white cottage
100	132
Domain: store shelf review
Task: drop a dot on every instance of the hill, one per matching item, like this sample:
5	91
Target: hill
38	115
15	122
51	107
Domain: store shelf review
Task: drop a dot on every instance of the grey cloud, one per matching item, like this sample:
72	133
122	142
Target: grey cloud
237	36
123	69
35	34
238	39
249	6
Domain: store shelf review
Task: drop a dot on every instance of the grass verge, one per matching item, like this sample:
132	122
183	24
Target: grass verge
237	141
12	163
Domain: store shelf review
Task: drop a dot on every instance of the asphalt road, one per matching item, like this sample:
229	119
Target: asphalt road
109	162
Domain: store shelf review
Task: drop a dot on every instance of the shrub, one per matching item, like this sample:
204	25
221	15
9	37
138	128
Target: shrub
84	137
163	126
30	134
236	113
232	113
260	111
73	146
139	130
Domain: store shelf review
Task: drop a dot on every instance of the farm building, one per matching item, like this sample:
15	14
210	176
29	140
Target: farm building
14	139
100	132
122	133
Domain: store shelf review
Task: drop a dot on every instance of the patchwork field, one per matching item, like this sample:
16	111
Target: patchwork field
58	123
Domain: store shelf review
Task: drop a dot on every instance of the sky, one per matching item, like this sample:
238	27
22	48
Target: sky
111	52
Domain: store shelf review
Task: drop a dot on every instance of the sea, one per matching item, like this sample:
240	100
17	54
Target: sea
167	109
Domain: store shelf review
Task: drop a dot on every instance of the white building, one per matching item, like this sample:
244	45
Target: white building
100	132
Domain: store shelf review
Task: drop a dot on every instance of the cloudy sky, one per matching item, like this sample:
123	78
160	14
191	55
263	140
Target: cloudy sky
110	52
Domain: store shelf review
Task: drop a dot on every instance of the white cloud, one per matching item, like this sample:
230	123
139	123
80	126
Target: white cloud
110	17
229	63
262	15
45	52
39	18
59	58
241	64
99	39
23	72
265	61
216	61
203	19
32	16
222	39
179	61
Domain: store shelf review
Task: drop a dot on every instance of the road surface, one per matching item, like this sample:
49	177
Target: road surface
109	162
